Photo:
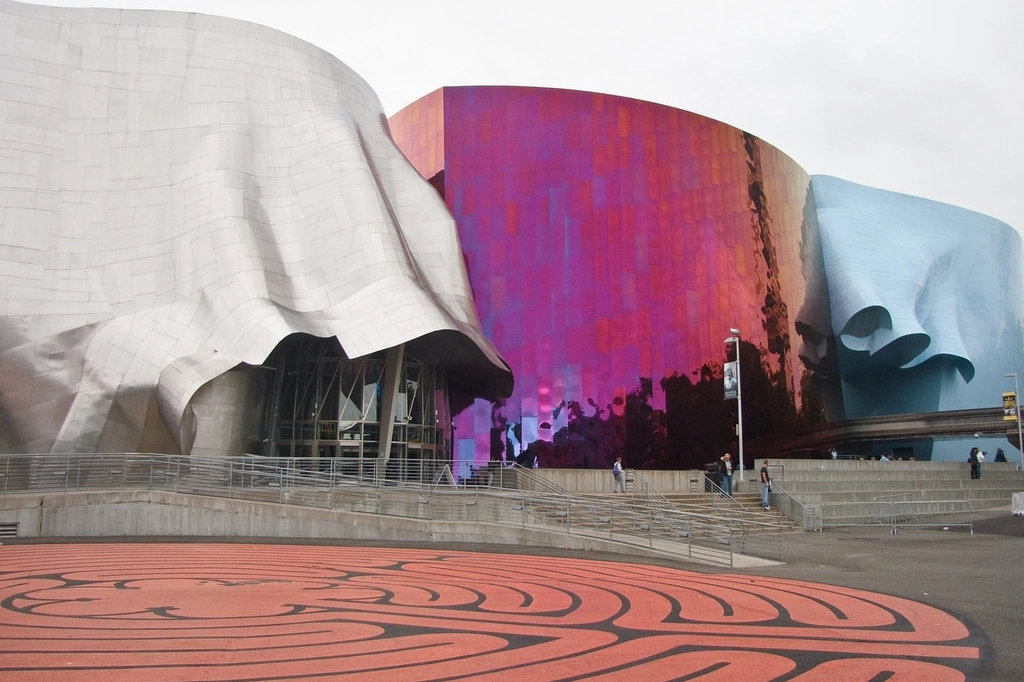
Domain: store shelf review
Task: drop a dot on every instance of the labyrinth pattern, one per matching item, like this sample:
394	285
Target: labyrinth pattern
145	612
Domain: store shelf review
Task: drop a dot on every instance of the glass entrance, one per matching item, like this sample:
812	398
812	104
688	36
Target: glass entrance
326	406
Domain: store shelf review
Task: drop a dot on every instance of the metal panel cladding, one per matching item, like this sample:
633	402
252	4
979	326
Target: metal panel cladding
611	244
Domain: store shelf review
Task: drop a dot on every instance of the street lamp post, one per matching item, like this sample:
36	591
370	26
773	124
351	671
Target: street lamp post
1016	409
735	340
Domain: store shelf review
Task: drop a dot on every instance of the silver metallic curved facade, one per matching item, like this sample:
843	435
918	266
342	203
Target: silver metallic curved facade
180	194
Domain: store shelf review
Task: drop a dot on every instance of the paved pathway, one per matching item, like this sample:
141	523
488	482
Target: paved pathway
863	606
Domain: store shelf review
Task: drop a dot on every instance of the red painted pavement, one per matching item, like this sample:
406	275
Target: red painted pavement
147	612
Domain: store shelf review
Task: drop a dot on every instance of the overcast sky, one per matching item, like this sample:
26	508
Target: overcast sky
918	96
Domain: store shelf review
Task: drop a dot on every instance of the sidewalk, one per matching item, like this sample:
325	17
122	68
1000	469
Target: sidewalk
977	578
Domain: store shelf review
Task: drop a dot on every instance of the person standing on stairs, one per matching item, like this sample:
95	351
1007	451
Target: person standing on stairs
766	486
725	470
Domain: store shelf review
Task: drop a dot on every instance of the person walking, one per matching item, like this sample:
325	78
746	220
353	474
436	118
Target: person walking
766	486
725	469
619	474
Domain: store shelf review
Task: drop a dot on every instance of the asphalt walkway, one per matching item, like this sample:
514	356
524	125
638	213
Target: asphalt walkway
978	578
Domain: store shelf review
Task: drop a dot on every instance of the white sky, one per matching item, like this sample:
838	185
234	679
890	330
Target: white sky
918	96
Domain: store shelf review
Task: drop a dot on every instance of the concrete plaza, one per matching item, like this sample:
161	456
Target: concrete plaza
923	605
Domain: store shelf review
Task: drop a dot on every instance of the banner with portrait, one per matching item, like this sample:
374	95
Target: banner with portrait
731	380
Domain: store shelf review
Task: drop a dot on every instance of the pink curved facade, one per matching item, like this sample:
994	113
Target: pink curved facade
611	241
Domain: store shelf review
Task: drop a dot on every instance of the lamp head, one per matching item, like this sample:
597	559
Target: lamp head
734	331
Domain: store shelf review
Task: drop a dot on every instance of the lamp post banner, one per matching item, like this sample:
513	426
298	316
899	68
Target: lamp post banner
1010	406
730	380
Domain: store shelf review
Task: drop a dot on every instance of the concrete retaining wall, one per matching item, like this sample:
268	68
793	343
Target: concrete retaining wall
154	513
588	481
862	474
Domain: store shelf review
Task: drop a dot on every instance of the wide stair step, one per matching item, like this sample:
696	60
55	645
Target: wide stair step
749	501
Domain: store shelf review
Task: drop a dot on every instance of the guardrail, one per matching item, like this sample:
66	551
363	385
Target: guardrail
533	502
899	511
647	516
809	517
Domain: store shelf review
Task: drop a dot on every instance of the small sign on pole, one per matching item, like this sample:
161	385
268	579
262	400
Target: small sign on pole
1010	407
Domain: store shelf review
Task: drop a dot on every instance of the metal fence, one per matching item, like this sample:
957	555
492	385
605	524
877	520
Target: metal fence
899	511
510	496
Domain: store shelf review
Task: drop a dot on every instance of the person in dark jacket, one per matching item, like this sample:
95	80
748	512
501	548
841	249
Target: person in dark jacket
766	486
973	460
725	470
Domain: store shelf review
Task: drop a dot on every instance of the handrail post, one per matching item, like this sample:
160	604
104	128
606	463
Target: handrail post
650	527
732	560
568	530
611	519
332	479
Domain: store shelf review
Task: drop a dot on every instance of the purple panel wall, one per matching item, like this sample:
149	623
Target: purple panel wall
612	243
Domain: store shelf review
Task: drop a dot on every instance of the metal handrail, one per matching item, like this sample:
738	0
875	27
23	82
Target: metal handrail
720	501
527	479
807	516
650	520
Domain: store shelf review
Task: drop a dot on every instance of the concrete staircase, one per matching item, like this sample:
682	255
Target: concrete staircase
843	489
828	482
749	502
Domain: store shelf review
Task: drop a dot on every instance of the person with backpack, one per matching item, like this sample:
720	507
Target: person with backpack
619	474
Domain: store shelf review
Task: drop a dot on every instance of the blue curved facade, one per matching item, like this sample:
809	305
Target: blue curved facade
926	303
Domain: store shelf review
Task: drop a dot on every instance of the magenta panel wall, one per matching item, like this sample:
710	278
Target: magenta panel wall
610	240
